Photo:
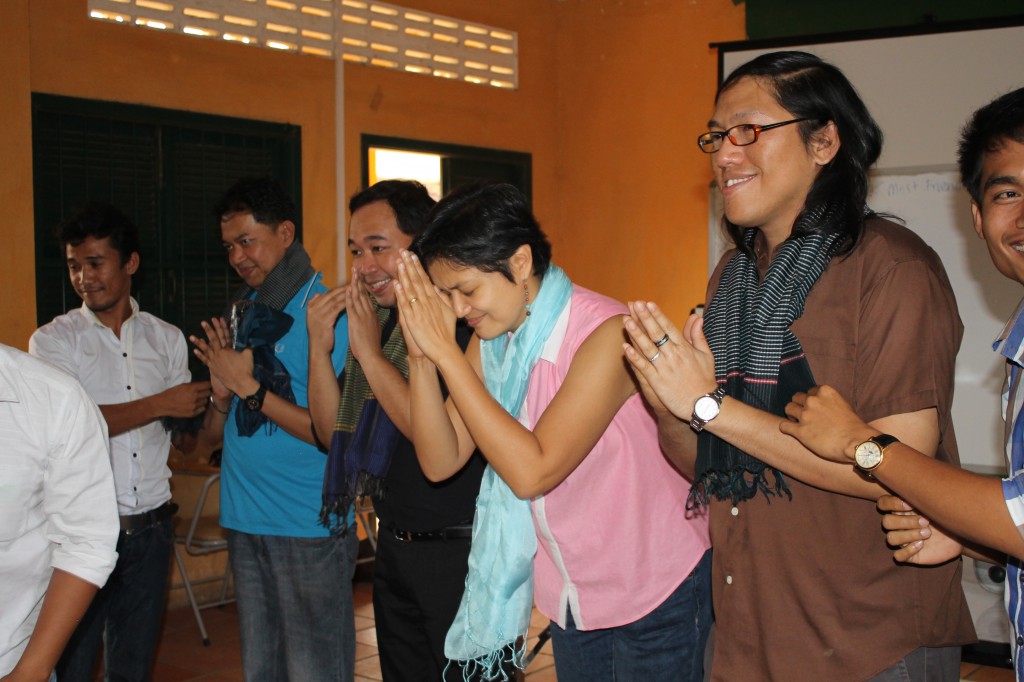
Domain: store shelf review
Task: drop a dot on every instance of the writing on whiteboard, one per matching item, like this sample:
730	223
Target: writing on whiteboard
931	183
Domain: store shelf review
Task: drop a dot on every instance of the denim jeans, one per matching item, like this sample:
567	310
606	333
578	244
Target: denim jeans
295	610
666	644
924	664
125	615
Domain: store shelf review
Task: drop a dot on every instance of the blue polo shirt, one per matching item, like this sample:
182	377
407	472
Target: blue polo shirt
271	482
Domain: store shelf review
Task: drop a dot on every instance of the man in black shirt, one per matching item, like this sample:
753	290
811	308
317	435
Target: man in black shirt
425	528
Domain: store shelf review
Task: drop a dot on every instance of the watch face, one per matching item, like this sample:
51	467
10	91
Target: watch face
868	455
252	403
706	408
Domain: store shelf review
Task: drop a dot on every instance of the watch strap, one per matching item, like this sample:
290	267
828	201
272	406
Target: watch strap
884	440
254	402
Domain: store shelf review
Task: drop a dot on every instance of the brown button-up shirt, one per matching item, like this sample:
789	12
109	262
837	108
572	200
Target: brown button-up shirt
806	589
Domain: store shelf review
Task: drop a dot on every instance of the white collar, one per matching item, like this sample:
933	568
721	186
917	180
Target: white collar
91	316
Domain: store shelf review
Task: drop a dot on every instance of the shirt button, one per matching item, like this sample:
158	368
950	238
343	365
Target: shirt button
728	580
735	511
135	454
129	388
1020	640
124	355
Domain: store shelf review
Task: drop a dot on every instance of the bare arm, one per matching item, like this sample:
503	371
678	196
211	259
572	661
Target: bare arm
389	387
67	598
322	314
530	462
234	370
684	370
967	505
183	400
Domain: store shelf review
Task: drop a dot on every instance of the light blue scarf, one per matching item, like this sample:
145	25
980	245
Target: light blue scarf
494	616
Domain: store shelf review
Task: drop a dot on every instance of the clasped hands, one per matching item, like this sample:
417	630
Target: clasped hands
230	370
425	313
673	367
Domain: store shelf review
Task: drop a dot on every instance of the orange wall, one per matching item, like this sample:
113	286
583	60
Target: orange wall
637	83
611	94
17	274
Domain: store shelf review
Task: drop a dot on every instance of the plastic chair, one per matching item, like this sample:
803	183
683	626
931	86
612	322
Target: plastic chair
202	535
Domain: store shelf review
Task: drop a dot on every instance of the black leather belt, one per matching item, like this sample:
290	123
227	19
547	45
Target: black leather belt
133	523
449	533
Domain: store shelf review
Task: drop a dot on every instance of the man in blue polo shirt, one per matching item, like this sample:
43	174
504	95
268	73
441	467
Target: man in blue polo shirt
293	578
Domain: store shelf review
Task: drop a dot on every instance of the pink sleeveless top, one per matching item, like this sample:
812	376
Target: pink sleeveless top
614	538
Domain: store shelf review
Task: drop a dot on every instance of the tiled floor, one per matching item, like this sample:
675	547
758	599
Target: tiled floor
183	658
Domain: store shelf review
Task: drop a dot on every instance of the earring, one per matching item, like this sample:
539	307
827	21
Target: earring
526	296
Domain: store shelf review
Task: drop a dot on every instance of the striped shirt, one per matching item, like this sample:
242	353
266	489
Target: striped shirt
1010	345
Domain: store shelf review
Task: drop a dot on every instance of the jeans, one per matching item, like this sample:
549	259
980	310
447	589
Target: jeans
924	664
666	644
125	615
295	612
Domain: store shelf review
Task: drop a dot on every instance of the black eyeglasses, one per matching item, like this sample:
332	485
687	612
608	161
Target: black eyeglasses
741	135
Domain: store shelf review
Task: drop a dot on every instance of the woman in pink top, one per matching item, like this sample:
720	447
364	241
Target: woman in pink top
579	509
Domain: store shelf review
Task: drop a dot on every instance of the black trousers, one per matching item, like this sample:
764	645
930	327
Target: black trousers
417	587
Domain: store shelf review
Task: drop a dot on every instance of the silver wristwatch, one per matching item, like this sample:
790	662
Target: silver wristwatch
707	408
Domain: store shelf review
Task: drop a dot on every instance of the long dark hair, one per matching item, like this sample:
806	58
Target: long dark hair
481	226
808	87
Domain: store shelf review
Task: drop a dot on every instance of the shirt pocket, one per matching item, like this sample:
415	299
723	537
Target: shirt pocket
833	361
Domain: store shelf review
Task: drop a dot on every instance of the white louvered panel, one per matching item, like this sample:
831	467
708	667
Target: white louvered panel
373	33
303	26
401	38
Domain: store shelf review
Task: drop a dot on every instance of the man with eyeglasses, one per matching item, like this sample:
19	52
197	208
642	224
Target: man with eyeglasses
819	289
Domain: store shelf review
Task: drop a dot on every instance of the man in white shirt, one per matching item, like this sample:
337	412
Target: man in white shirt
134	366
58	517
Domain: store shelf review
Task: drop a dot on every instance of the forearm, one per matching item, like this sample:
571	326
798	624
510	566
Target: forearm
123	417
287	415
290	417
679	443
968	505
324	394
433	434
390	389
211	433
757	433
66	601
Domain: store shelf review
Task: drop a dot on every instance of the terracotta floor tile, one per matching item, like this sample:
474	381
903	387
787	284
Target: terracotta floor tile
181	656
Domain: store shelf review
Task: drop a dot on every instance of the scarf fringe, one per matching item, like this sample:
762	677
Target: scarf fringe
335	508
495	666
737	484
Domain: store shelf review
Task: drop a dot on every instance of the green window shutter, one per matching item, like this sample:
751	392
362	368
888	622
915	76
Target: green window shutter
165	169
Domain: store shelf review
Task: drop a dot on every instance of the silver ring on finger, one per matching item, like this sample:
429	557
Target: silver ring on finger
413	300
655	357
661	342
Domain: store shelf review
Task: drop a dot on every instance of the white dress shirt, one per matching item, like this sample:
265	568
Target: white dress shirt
150	357
57	507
